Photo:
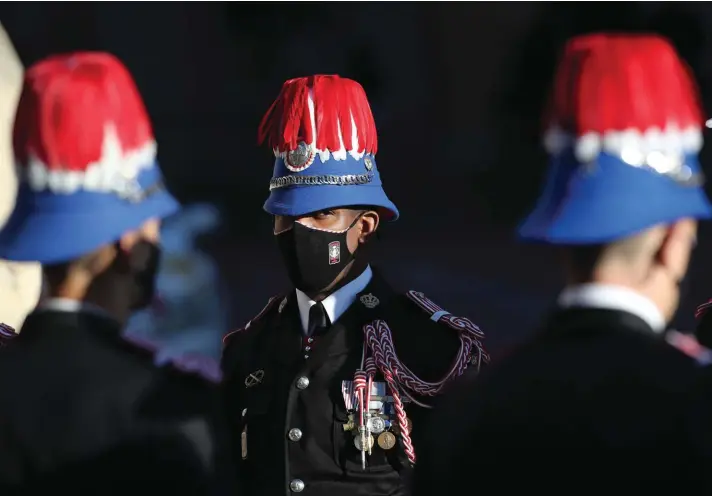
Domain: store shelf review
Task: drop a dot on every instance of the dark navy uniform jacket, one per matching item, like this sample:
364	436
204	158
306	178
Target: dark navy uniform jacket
596	403
292	420
82	411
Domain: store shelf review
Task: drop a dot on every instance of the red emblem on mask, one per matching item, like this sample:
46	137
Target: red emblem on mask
334	252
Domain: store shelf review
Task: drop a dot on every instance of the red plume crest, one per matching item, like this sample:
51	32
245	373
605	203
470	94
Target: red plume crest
329	112
68	101
616	82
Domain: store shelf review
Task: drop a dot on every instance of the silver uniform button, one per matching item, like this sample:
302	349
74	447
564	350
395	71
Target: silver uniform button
302	382
297	485
295	434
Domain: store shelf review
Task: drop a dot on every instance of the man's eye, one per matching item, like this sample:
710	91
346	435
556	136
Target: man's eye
324	214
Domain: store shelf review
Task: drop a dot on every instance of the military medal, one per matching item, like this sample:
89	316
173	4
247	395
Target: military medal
386	440
350	424
364	443
368	402
376	425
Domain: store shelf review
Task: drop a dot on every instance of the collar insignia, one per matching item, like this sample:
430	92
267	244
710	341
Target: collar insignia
254	378
370	301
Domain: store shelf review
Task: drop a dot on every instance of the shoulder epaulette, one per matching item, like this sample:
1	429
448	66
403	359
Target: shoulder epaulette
381	355
438	314
141	343
689	345
7	333
194	363
701	310
460	324
189	363
270	304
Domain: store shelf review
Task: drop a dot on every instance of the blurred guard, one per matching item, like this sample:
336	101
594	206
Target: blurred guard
81	409
20	282
597	400
324	386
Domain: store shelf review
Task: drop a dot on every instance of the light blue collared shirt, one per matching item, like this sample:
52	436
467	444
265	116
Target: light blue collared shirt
336	303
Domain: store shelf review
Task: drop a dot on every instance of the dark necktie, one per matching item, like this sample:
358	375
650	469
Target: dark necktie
318	319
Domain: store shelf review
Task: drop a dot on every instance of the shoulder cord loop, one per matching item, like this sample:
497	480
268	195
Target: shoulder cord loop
400	379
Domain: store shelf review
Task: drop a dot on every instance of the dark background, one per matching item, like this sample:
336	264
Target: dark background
457	91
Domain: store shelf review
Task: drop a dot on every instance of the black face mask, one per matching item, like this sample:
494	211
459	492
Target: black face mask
144	260
314	257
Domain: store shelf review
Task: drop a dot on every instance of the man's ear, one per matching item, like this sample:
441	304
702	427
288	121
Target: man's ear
99	261
676	247
128	240
369	224
123	250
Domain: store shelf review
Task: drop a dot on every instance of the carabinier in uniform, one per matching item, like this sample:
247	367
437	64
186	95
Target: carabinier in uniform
597	400
324	386
81	408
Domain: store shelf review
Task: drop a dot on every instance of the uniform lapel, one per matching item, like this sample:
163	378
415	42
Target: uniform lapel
346	335
285	341
341	338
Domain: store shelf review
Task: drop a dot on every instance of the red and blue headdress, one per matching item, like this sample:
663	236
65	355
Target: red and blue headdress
86	157
324	140
623	133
